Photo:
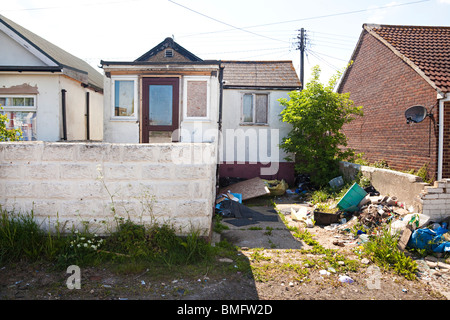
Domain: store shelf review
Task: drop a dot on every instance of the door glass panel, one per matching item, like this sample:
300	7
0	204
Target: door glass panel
160	105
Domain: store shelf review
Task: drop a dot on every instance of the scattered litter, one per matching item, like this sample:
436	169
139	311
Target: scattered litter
345	279
324	272
276	187
249	189
336	182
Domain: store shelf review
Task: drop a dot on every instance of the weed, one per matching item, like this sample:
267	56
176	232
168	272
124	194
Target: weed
384	252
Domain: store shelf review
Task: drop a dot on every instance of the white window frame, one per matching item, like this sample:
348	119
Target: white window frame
113	98
20	108
253	123
208	99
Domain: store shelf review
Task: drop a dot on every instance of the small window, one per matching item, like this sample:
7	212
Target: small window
255	108
169	53
124	98
21	113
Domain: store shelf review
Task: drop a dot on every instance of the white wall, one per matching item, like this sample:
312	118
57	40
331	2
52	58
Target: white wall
16	55
127	131
117	131
76	111
231	119
49	105
47	101
60	182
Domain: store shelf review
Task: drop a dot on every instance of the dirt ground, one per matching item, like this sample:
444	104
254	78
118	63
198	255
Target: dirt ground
274	277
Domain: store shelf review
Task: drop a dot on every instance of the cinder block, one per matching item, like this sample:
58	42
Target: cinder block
11	171
23	151
138	152
172	190
19	189
87	171
192	172
158	171
53	190
41	171
430	189
430	196
58	151
121	171
85	190
93	152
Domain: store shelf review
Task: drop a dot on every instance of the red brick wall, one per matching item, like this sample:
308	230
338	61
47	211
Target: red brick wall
386	86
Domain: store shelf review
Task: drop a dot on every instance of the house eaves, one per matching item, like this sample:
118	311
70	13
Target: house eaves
54	56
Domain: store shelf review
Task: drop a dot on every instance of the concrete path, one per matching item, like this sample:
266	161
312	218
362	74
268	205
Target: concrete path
257	233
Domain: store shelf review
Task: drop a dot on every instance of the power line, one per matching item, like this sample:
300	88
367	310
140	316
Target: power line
227	24
77	5
310	18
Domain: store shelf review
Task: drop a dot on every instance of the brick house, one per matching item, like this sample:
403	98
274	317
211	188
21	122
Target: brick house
395	68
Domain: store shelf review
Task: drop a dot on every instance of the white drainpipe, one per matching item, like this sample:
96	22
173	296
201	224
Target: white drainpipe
442	99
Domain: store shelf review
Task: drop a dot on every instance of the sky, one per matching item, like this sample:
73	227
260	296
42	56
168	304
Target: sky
123	30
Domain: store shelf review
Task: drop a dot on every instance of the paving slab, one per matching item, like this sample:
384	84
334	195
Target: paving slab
266	230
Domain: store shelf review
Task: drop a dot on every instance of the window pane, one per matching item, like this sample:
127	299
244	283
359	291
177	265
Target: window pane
124	98
160	105
261	108
26	121
247	108
18	102
29	102
2	102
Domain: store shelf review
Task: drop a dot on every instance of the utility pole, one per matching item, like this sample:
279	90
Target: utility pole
301	47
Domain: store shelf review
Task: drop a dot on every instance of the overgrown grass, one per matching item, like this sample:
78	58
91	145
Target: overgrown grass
23	239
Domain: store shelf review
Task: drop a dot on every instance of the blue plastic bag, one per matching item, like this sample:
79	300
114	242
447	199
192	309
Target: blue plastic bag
428	239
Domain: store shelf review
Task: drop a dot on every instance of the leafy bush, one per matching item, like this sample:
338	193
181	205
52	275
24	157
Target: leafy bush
8	134
317	114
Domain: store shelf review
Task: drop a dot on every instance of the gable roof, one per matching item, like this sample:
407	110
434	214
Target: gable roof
260	74
425	48
61	58
168	43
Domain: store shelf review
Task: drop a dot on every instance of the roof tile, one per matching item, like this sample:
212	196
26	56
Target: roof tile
427	47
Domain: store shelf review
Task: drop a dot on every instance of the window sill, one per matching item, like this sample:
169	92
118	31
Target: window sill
196	120
123	120
254	124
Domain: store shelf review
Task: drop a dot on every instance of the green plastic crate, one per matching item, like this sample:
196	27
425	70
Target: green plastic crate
352	198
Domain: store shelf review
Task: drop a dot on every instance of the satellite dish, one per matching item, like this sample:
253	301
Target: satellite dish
416	114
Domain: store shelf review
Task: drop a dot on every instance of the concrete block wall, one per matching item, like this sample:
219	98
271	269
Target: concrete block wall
435	200
406	187
74	183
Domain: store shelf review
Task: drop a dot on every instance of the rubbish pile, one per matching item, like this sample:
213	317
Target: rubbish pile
374	211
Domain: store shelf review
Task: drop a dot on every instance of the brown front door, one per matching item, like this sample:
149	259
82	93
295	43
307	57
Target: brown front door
160	105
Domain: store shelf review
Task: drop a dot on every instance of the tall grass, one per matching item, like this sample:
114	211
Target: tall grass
22	238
